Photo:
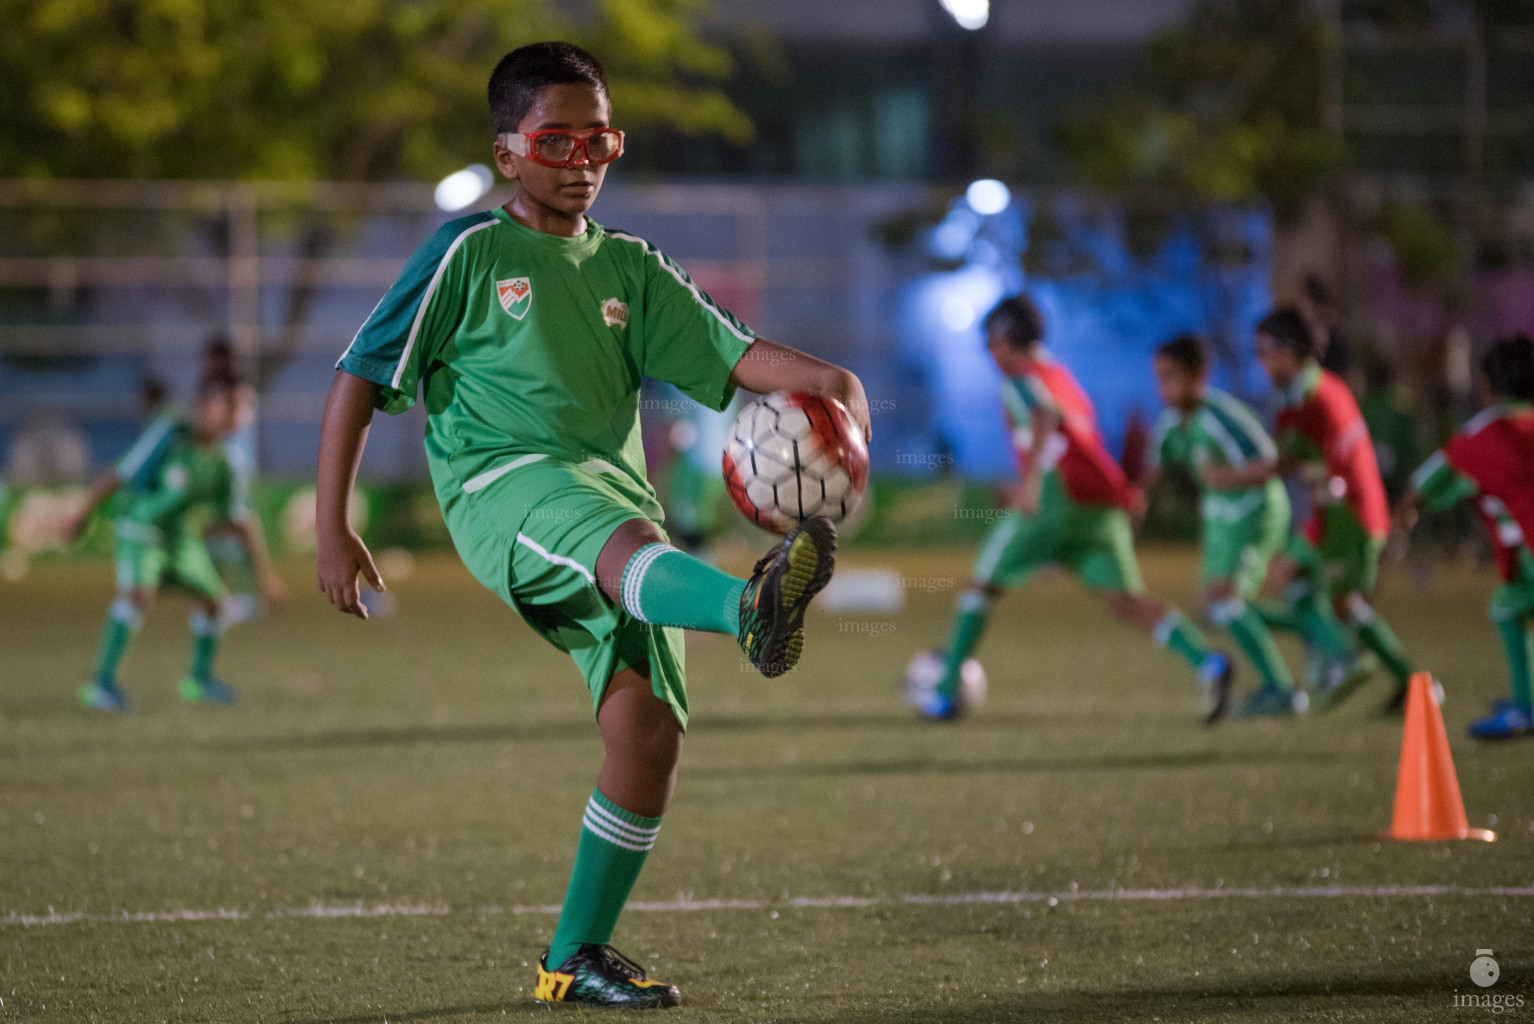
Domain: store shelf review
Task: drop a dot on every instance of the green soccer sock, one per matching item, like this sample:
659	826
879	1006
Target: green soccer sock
1375	634
205	636
1517	643
1248	628
1277	615
1178	634
613	847
968	625
122	623
672	588
1319	625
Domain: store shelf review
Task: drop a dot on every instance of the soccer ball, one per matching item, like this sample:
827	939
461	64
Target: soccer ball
926	670
791	456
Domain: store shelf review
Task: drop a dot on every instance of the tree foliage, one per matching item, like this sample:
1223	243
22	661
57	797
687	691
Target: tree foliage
1228	109
293	89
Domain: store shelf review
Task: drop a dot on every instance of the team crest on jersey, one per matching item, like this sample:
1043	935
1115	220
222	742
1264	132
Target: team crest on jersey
615	313
516	295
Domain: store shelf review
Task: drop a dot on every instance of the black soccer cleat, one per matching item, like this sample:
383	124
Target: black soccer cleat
1218	678
602	976
781	587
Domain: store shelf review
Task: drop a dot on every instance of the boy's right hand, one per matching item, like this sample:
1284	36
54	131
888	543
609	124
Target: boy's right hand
338	561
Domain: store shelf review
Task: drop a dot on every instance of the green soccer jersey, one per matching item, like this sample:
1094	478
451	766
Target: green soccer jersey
529	346
1221	431
173	486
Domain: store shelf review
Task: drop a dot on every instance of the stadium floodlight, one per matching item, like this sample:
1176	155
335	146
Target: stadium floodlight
970	14
461	188
987	196
957	313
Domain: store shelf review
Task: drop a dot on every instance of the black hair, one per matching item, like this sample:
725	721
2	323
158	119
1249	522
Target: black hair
1018	319
217	347
1289	330
152	392
526	71
1187	351
218	382
1317	292
1509	368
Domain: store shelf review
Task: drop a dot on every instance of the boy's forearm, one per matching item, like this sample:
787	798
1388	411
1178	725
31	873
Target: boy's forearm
253	536
768	366
103	487
1042	428
1250	474
343	436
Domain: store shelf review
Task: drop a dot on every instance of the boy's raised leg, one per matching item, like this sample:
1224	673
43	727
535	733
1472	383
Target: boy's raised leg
643	742
659	584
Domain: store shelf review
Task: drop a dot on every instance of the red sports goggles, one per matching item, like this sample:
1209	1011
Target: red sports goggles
561	147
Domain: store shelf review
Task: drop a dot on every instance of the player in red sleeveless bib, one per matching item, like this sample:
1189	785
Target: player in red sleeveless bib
1323	439
1492	461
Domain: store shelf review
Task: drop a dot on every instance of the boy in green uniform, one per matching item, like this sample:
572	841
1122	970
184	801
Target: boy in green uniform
175	482
527	329
1491	460
1244	508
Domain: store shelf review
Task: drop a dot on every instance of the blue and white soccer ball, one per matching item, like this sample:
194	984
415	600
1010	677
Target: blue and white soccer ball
926	670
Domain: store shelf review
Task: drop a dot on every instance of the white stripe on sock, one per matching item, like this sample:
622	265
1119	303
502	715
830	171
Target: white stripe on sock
633	580
600	832
1227	611
617	824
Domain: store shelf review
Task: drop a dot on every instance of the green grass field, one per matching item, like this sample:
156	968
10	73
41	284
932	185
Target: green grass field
378	831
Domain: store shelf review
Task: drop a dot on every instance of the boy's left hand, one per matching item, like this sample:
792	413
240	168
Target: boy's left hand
274	591
850	393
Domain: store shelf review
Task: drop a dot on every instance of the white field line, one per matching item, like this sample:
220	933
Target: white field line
684	906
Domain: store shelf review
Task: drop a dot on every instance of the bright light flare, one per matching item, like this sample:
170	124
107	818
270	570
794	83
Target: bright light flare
987	196
461	188
970	14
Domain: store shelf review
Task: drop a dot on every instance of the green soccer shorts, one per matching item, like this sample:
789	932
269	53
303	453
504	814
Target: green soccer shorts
1239	542
182	563
1095	542
533	537
1347	558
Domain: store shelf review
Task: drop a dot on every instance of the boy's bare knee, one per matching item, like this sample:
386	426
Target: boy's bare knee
628	538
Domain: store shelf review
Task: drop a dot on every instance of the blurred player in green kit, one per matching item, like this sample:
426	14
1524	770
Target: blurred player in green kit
1243	506
175	482
231	554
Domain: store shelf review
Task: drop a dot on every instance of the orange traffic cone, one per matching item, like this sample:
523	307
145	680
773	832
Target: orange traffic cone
1428	803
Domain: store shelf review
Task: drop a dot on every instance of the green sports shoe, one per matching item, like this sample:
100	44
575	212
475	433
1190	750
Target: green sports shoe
781	586
602	976
1272	702
206	691
1342	678
104	695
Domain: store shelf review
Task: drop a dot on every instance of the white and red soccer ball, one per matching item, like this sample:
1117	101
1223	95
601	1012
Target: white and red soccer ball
792	455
